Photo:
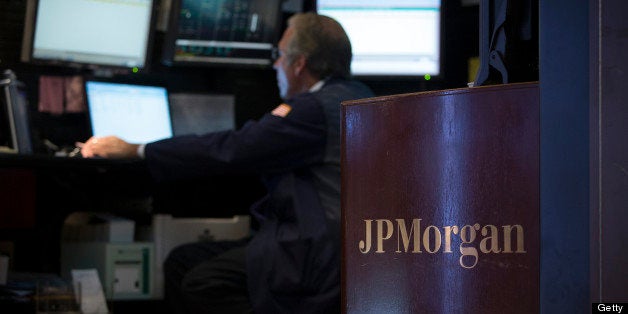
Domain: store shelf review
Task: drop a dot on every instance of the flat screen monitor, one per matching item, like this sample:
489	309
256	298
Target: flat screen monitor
222	32
88	33
135	113
392	37
15	132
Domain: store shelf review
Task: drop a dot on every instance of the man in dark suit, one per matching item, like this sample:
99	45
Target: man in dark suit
292	263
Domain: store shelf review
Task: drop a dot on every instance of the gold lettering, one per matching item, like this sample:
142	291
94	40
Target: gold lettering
437	239
380	233
508	241
413	239
493	238
365	245
402	234
467	235
448	231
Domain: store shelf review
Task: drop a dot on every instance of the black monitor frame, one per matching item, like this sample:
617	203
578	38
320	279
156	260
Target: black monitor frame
261	53
99	64
121	83
412	77
15	129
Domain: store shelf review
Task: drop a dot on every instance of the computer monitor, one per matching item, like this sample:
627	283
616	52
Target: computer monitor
135	113
88	33
15	132
392	37
222	32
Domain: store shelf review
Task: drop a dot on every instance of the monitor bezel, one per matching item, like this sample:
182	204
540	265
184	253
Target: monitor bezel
169	45
411	76
27	56
101	80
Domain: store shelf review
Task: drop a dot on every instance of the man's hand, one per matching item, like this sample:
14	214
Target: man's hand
108	147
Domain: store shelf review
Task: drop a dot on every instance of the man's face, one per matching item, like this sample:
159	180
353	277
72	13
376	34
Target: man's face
286	73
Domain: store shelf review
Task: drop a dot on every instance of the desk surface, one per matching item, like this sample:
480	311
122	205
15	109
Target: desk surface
45	161
63	183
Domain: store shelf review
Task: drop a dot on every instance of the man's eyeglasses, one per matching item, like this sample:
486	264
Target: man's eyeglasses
274	54
277	53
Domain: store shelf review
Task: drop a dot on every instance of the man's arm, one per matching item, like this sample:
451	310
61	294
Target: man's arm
272	144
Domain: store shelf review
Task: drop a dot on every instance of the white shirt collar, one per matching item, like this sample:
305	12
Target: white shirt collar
316	87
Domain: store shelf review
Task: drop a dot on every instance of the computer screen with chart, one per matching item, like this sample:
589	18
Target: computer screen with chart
222	32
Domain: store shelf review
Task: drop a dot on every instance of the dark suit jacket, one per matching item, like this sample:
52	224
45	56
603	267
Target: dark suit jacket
293	261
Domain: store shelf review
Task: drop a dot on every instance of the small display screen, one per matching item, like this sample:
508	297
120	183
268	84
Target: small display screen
135	113
223	32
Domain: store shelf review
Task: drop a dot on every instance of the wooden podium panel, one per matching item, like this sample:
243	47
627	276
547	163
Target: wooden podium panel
440	200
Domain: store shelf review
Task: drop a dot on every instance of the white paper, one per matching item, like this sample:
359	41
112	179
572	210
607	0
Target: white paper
87	284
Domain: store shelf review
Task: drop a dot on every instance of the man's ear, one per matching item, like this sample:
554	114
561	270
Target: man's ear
299	64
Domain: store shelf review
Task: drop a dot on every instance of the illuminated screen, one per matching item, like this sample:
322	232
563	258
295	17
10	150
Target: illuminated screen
223	32
93	32
392	37
136	113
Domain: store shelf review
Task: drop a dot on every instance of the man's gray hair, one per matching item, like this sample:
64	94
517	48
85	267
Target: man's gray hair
323	42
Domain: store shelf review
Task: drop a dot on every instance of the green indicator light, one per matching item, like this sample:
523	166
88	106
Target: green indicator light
135	70
427	77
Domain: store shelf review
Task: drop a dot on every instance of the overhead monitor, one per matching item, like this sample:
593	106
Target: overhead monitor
88	33
392	37
222	32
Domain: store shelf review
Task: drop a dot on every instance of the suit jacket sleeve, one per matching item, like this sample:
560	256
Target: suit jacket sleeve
272	144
